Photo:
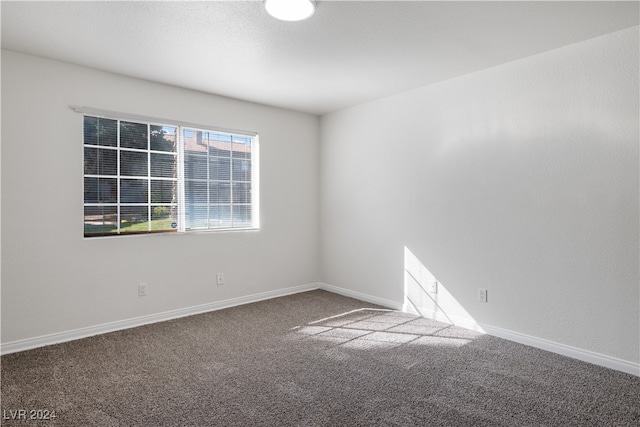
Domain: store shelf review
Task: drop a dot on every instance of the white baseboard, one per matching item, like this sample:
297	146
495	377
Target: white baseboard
554	347
56	338
566	350
360	296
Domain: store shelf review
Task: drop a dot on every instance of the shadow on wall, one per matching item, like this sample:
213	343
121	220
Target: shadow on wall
425	296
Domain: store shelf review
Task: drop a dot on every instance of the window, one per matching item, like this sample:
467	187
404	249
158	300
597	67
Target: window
149	177
217	179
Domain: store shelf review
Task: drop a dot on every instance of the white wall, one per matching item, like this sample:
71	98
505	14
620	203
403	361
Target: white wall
54	280
522	179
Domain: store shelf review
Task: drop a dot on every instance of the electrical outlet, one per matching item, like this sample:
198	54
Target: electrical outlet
220	278
432	286
142	290
482	295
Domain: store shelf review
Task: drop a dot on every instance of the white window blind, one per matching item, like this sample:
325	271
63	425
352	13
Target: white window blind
218	180
150	177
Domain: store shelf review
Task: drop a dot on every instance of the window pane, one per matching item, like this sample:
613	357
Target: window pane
134	191
163	138
196	191
134	219
100	190
98	161
219	144
99	131
219	192
163	191
133	163
90	161
164	218
241	170
241	147
219	169
195	167
194	142
241	193
196	217
242	216
163	165
100	220
220	216
133	135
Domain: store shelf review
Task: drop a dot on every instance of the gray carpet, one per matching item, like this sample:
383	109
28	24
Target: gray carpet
311	359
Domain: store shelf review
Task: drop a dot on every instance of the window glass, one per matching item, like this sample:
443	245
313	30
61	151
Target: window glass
133	163
242	216
164	217
100	190
164	191
163	138
147	177
102	132
133	135
98	161
100	220
196	192
220	192
197	217
164	165
241	170
220	216
195	167
219	169
134	190
241	192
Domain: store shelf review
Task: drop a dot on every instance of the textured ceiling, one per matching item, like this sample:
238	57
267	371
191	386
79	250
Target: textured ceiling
348	53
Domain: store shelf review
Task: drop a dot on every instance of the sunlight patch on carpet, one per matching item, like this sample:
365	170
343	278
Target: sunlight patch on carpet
366	329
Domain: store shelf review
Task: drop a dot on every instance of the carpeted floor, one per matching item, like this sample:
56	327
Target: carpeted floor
310	359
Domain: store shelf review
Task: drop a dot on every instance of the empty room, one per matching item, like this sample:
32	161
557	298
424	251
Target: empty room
320	213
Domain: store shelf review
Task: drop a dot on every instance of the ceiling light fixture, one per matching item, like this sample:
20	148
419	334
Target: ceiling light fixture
290	10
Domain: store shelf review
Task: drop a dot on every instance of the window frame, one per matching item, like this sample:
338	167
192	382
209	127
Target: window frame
181	202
